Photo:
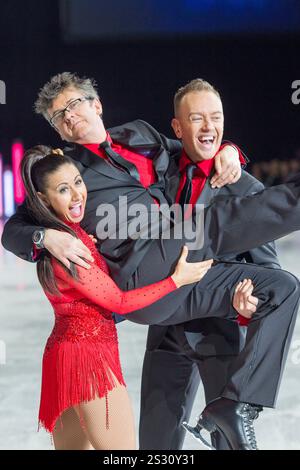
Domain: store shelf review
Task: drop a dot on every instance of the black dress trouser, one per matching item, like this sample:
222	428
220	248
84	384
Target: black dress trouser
257	370
170	383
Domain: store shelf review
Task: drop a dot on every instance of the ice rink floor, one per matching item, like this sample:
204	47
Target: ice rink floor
26	320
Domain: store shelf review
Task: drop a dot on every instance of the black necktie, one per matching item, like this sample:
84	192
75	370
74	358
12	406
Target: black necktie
186	191
119	162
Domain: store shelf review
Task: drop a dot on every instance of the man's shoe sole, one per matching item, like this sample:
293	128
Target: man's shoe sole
207	425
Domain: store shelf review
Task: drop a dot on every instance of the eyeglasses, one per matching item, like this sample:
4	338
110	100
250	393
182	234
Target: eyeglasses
58	116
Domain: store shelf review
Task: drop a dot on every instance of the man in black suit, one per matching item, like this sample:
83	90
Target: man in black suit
74	111
204	347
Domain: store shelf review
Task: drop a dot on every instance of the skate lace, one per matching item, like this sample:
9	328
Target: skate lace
249	414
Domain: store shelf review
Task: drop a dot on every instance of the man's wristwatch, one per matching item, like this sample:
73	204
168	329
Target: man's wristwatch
38	238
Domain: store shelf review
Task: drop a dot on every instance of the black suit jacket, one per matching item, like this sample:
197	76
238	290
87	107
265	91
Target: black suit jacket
211	336
106	184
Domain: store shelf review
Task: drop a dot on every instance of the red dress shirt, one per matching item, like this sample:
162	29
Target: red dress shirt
143	164
201	174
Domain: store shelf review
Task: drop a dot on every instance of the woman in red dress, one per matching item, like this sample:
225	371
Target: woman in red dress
84	401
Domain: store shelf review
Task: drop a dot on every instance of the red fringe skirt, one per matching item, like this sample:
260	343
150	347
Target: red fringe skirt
75	372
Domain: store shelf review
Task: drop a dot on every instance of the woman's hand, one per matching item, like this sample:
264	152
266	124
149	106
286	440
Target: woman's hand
243	300
187	273
94	240
66	248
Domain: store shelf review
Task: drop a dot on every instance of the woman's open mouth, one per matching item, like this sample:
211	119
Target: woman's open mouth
76	210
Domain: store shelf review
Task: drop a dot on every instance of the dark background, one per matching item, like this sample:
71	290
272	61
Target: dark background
253	64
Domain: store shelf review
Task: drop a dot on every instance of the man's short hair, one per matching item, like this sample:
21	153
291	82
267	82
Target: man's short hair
57	85
198	84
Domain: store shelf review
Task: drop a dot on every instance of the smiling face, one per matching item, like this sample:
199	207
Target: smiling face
82	124
199	124
65	193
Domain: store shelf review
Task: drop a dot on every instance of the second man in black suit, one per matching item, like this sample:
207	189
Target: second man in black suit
203	347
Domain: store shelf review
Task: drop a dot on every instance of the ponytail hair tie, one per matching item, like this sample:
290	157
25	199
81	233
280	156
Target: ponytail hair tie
58	152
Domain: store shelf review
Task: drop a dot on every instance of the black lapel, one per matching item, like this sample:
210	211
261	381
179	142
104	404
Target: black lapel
129	135
160	162
130	138
145	144
98	164
173	176
208	193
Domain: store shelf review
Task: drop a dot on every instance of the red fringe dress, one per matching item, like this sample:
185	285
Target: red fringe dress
82	353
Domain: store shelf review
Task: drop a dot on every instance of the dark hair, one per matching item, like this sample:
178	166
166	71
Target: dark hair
38	163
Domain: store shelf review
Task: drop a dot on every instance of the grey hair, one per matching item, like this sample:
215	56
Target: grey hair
57	84
198	84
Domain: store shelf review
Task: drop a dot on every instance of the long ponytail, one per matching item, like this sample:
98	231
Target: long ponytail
38	163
